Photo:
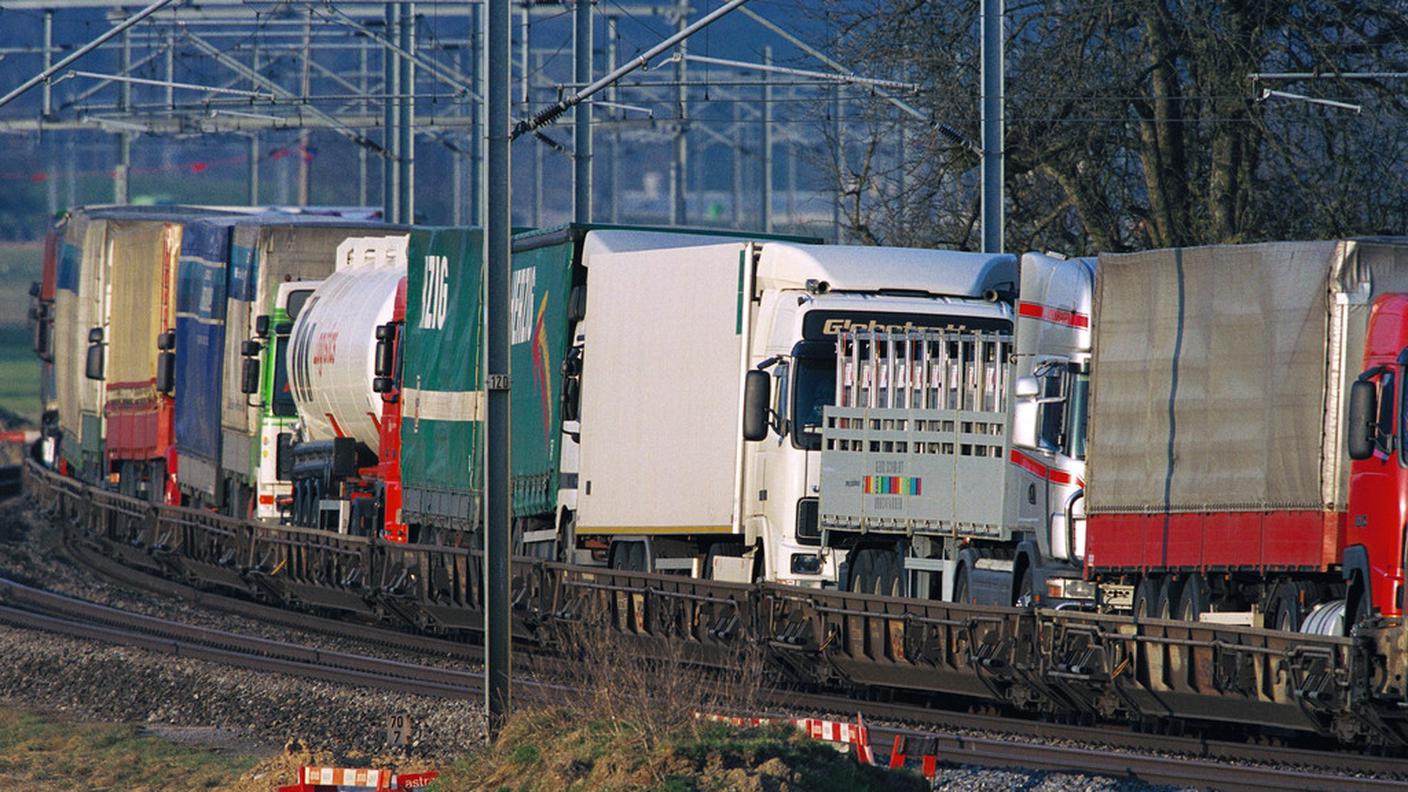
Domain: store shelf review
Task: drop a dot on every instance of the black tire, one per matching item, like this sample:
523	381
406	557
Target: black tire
889	575
1285	613
1024	597
1196	598
1170	590
1146	598
862	576
960	585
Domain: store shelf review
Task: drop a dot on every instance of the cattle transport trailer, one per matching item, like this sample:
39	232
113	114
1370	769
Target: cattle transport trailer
1219	478
952	459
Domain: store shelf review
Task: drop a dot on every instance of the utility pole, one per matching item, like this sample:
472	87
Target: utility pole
476	124
121	190
615	170
497	221
254	154
679	172
362	174
390	88
839	130
305	85
582	133
405	126
48	94
992	11
767	142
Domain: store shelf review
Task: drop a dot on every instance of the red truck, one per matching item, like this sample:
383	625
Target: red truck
1232	386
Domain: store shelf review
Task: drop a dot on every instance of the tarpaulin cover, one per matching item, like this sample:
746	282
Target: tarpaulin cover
139	271
200	336
539	342
1220	373
69	335
442	398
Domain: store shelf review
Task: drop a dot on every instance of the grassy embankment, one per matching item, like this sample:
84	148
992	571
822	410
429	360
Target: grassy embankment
43	751
19	370
556	749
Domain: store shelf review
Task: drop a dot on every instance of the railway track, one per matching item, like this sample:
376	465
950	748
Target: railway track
31	608
962	737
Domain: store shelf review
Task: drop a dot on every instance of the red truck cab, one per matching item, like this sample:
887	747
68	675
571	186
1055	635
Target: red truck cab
1378	478
388	383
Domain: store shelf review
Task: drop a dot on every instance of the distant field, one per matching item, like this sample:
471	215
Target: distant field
19	373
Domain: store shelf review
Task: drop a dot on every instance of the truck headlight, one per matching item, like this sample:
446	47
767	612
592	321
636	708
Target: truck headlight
1070	588
806	564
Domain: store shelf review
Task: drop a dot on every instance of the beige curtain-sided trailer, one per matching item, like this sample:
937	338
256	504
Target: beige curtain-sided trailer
1221	373
138	277
70	334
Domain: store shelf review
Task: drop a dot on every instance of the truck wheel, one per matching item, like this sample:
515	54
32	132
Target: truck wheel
889	575
1170	590
1146	598
1285	612
1194	602
862	576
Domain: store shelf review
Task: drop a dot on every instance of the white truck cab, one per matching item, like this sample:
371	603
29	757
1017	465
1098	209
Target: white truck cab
705	371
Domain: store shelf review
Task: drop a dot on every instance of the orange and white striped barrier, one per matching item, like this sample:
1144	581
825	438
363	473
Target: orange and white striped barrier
839	733
25	436
331	779
928	748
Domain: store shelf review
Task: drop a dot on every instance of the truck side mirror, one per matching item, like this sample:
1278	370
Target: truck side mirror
250	348
95	336
1024	408
757	397
249	375
166	372
261	326
1362	420
384	336
383	385
34	288
94	365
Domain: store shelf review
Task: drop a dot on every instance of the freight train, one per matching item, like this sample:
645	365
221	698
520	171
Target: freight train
743	407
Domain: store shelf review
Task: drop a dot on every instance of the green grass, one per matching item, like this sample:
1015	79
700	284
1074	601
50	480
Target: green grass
38	750
19	373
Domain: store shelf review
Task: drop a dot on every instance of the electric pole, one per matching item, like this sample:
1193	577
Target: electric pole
497	222
582	132
992	12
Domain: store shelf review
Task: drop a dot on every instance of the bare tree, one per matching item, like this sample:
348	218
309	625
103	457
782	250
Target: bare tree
1130	123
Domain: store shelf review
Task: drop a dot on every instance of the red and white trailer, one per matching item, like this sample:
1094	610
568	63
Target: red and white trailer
1218	478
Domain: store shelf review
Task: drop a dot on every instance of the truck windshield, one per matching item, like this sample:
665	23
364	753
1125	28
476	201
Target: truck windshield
284	406
814	388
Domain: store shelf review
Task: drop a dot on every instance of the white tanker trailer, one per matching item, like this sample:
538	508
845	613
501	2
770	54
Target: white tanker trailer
331	368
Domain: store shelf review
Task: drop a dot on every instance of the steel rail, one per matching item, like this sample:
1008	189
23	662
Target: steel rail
25	606
1178	770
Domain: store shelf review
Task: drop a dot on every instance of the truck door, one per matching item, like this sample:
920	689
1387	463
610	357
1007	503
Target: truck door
1376	519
